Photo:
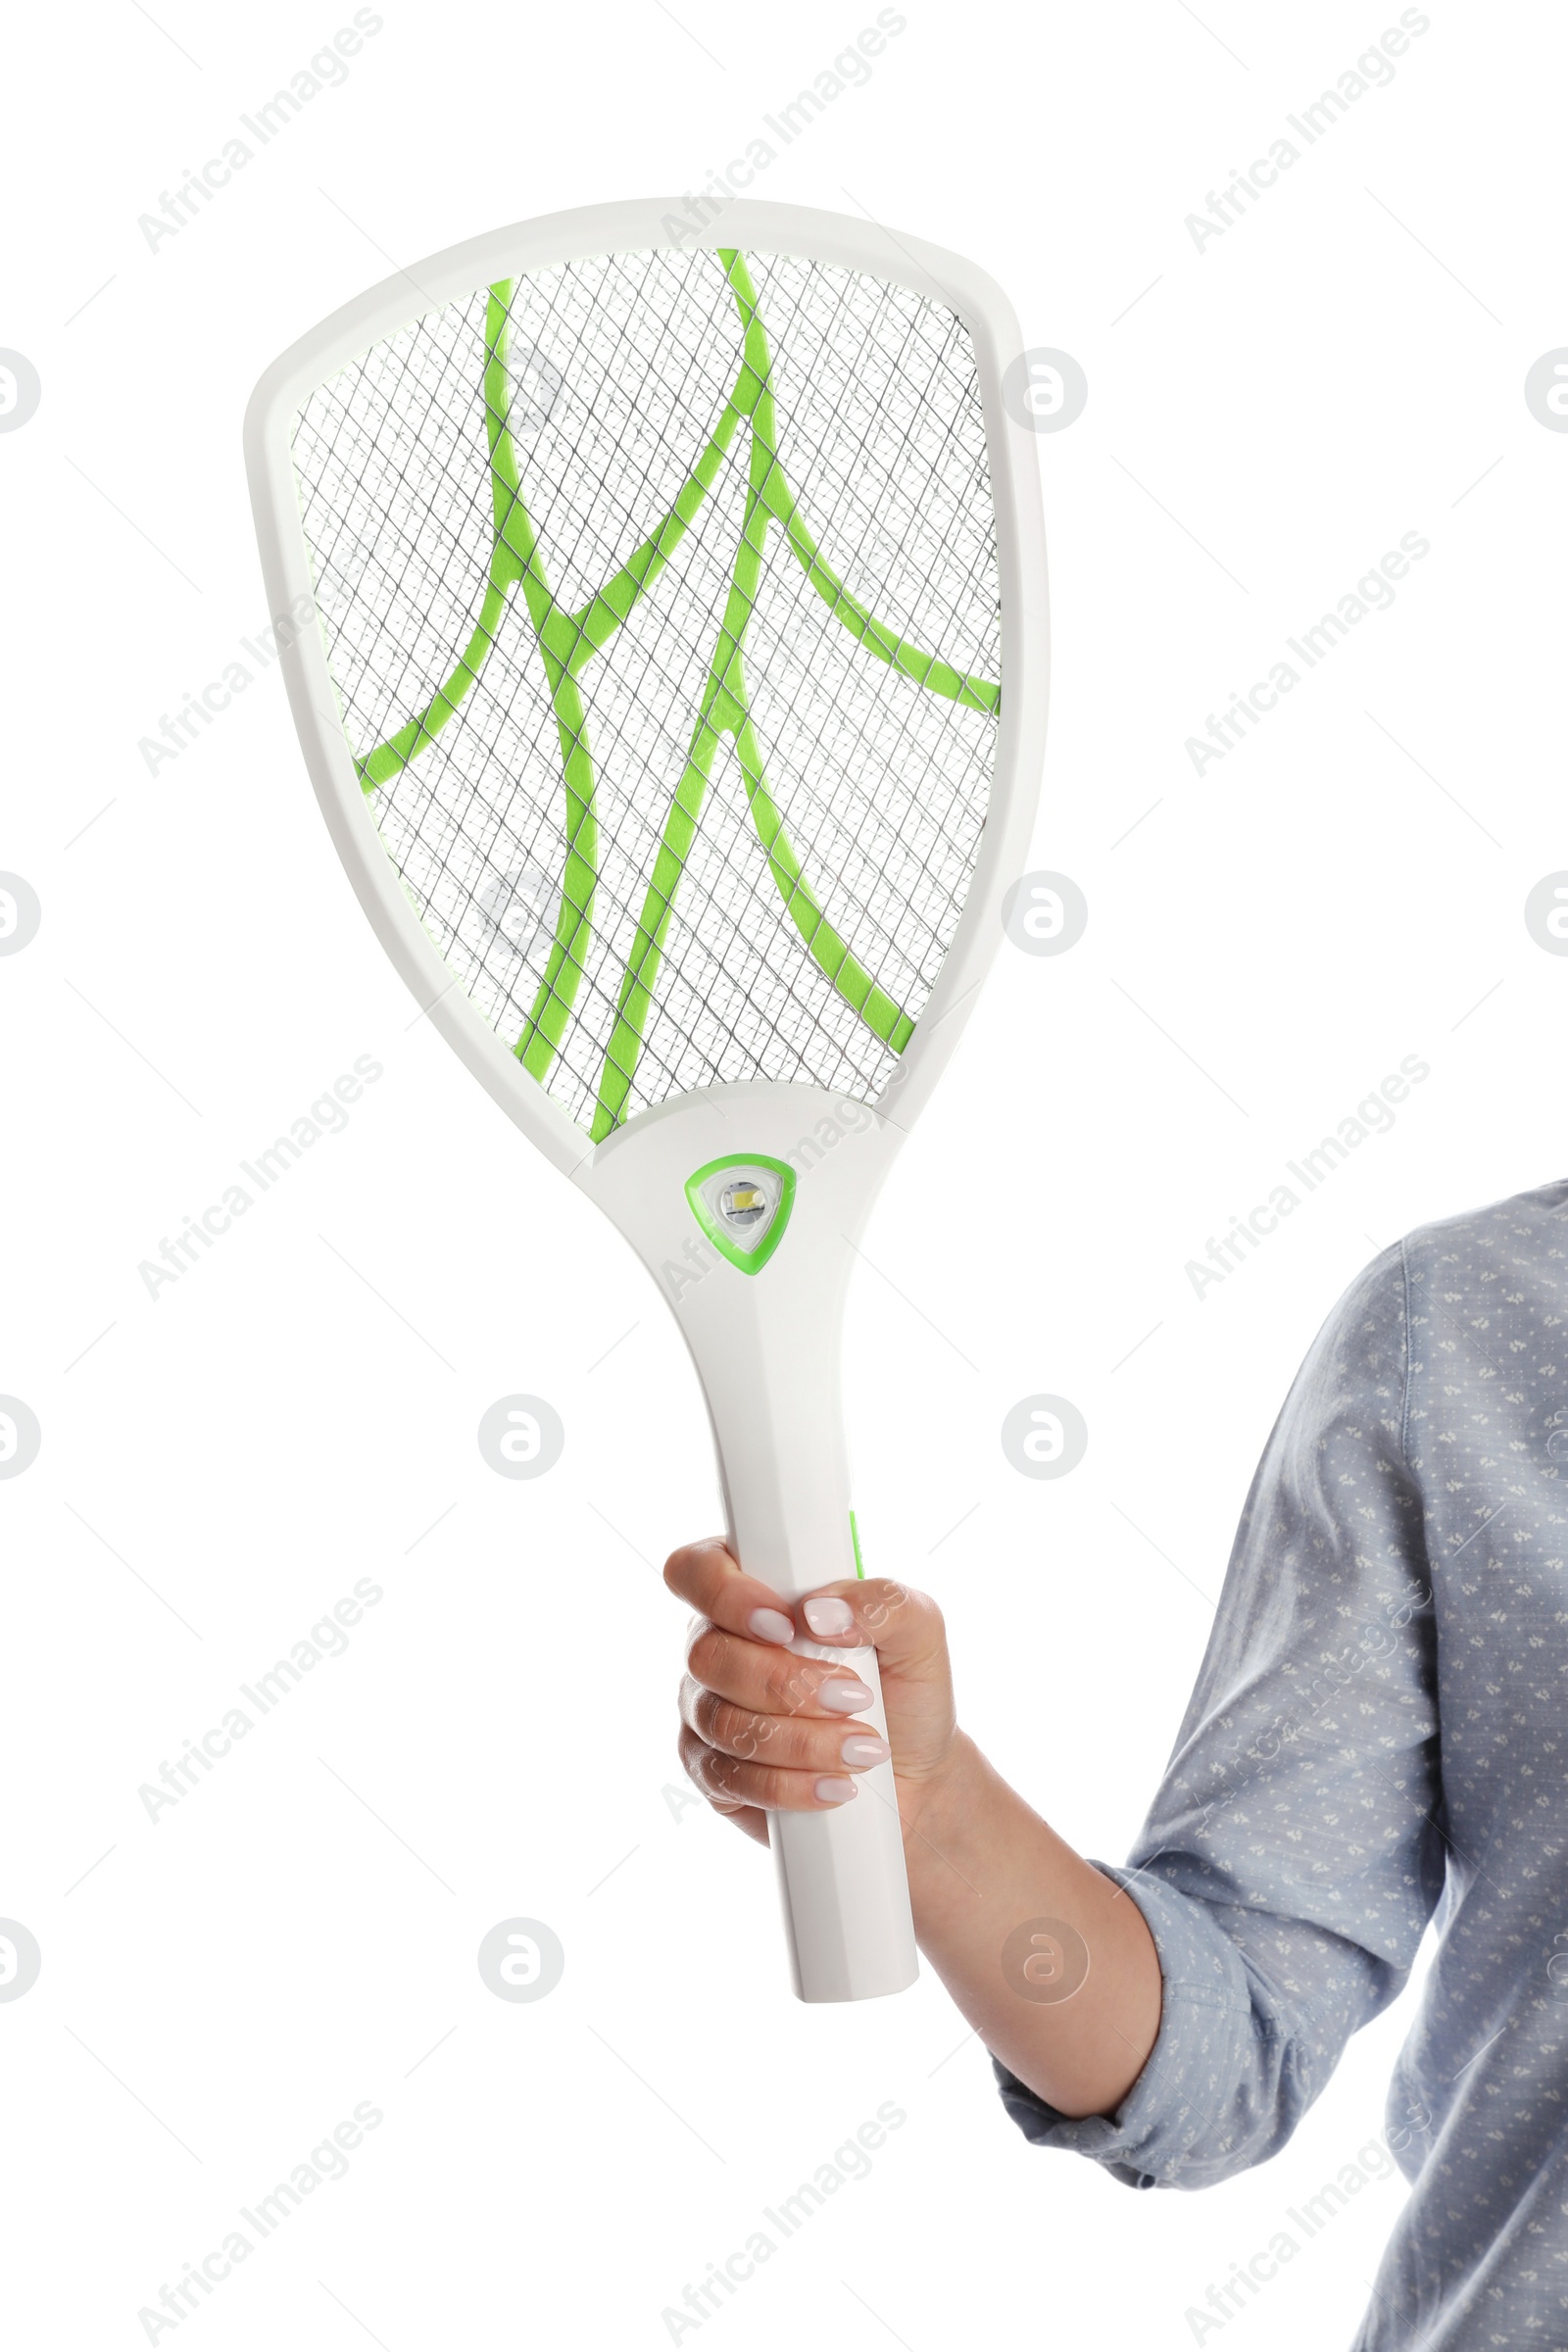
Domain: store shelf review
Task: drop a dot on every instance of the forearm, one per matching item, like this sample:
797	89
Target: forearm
983	1866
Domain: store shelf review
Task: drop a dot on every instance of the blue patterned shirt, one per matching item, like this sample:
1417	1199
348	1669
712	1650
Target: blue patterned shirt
1379	1732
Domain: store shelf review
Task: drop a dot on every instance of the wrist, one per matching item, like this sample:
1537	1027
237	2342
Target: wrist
931	1805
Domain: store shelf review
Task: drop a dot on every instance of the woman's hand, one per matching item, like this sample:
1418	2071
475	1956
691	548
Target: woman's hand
761	1728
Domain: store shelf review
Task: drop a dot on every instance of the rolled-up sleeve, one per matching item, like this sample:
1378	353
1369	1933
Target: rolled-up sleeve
1293	1853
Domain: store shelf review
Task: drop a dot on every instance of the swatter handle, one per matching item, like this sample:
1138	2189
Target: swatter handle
841	1875
765	1346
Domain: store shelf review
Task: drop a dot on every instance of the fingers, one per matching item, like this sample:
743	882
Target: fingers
749	1818
904	1625
810	1743
729	1781
736	1646
769	1680
765	1730
705	1575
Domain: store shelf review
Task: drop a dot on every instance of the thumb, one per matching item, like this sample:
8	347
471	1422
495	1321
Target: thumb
903	1626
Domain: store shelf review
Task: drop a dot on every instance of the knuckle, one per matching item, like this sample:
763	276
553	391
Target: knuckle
698	1759
789	1684
691	1701
896	1599
724	1774
780	1790
679	1565
689	1748
687	1560
707	1651
743	1732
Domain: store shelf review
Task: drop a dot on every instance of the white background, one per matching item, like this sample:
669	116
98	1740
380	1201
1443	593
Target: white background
219	1465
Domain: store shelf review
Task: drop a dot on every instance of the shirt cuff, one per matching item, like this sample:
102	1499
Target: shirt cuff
1205	2017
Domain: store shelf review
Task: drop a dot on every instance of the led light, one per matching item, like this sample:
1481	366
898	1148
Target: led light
743	1203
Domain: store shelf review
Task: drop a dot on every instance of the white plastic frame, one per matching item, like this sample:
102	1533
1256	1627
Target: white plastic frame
766	1345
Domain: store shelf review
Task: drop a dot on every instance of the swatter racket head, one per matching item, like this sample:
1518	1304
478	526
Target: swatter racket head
905	813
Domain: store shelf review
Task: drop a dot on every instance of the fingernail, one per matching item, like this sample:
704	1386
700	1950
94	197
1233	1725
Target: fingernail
828	1617
833	1792
862	1751
770	1624
845	1698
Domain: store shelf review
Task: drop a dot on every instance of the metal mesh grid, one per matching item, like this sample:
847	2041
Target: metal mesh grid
619	366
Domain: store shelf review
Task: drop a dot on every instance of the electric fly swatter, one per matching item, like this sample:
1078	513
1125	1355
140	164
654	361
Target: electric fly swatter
676	706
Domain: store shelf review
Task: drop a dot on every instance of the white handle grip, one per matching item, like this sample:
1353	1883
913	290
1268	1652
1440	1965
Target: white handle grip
766	1345
841	1875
